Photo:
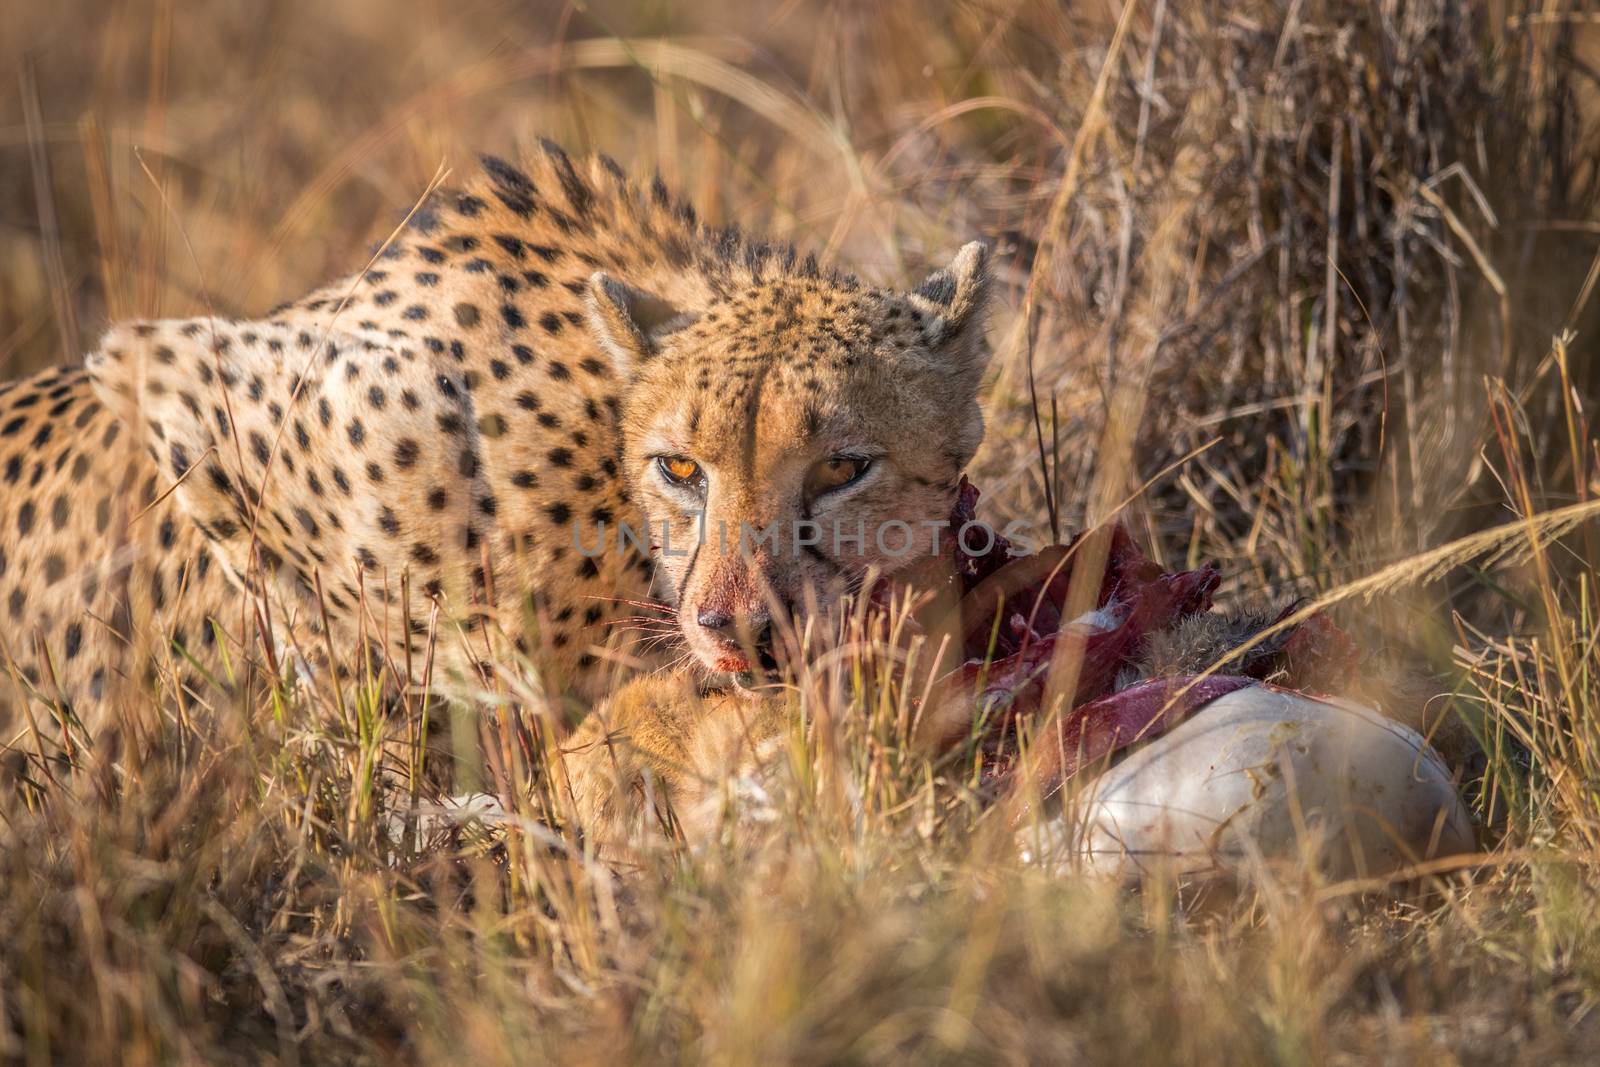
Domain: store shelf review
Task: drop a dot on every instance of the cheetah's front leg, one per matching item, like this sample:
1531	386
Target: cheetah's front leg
661	744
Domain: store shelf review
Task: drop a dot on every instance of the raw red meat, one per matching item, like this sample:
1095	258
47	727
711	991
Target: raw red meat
1003	610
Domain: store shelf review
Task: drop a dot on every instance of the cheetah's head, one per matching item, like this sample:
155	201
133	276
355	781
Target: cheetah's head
786	441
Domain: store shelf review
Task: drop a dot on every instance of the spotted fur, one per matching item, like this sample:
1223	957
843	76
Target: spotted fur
425	446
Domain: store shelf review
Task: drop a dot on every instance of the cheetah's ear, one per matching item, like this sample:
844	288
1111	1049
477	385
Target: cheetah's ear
956	298
628	323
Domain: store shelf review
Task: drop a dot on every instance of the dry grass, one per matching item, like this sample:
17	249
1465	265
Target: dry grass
1333	241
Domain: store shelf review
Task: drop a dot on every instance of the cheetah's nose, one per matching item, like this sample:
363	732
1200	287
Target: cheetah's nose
714	620
755	628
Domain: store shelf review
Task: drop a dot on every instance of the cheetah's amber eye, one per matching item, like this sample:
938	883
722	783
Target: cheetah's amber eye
680	470
835	472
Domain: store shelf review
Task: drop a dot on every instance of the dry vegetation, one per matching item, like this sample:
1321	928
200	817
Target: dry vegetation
1340	244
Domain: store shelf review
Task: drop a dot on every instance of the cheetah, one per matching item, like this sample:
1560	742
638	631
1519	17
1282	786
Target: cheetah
422	456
